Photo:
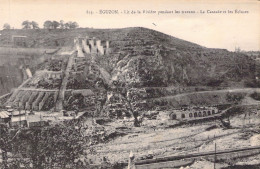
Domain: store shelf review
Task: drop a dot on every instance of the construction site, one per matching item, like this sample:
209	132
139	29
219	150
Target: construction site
136	104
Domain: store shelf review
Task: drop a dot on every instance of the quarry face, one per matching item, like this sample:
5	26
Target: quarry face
139	97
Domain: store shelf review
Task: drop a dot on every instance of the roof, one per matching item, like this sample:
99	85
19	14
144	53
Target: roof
85	92
4	114
18	36
16	113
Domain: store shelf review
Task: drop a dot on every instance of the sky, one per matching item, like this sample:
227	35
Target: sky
213	30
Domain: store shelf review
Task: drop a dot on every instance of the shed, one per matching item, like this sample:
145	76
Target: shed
4	117
84	92
4	114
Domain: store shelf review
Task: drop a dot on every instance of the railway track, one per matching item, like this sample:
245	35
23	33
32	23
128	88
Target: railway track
246	151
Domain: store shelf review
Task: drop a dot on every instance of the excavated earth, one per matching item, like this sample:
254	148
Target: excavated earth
160	71
156	138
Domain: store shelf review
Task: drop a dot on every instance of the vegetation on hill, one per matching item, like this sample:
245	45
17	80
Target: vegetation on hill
144	57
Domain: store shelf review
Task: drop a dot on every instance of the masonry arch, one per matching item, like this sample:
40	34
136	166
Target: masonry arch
173	116
200	114
195	114
183	116
209	113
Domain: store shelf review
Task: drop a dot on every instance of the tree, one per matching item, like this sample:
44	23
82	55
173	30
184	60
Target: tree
48	25
6	26
237	49
55	24
67	25
121	89
61	145
4	144
26	24
71	25
62	26
74	25
35	25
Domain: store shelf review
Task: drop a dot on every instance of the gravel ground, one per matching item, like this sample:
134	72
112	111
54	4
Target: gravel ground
148	141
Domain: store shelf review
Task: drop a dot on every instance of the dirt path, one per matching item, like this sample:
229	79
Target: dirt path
245	90
39	90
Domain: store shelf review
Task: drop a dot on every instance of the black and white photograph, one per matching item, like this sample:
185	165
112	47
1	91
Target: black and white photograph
129	84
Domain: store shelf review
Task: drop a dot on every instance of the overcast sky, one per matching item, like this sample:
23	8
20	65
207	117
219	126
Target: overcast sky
210	30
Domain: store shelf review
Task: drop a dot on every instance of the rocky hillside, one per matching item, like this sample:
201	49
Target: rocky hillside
147	58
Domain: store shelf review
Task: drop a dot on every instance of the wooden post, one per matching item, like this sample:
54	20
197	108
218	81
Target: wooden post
40	119
20	118
27	122
131	162
215	156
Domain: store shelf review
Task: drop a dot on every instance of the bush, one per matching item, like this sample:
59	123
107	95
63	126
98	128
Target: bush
234	97
59	146
252	83
75	102
214	82
255	96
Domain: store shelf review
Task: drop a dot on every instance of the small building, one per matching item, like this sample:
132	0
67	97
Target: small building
14	118
18	119
4	117
195	113
19	40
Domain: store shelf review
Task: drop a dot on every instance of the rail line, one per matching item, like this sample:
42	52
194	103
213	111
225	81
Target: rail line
194	155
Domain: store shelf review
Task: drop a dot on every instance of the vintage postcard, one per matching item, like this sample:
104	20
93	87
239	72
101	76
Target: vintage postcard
134	84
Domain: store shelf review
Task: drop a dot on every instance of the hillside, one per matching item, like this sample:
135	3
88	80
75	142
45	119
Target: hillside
64	37
143	92
14	61
147	58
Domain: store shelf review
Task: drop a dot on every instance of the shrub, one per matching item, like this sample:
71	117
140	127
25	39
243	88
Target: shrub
252	83
255	96
234	97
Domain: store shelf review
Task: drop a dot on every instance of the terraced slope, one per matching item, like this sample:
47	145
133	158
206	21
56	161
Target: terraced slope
154	58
